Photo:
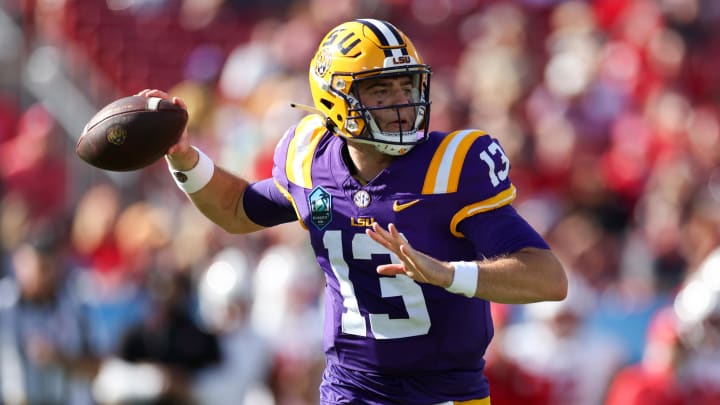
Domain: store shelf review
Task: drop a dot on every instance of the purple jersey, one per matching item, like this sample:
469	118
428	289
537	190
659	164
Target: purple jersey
392	325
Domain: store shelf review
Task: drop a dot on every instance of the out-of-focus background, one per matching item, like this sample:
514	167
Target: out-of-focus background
115	290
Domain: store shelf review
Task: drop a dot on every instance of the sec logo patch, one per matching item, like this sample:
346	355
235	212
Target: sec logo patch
361	199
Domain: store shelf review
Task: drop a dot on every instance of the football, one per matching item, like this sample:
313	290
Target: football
131	133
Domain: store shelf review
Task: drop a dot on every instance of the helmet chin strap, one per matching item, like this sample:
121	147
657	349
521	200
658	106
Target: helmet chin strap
385	148
393	150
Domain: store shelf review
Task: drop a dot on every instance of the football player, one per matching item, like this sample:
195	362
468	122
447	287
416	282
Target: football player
413	229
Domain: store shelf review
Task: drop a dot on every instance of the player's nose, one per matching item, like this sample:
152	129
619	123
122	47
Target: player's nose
399	95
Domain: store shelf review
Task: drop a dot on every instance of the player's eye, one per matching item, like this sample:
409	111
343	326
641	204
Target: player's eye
380	92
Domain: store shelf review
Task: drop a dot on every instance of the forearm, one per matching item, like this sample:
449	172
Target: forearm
221	202
216	193
529	275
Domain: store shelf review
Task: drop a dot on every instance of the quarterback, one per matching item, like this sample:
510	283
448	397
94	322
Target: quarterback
414	230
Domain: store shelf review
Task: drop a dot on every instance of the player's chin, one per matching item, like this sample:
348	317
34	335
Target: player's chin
397	126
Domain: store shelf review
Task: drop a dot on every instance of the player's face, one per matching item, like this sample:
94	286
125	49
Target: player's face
384	92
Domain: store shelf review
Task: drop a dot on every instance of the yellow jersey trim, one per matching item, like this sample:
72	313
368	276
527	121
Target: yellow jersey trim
301	149
482	401
501	199
443	175
287	195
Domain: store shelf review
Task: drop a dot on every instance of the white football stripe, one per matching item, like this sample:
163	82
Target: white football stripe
153	102
391	39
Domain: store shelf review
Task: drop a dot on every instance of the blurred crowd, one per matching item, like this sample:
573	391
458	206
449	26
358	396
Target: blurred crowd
115	290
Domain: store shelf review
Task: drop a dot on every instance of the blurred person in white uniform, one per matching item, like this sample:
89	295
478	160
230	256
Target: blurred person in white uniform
697	306
553	343
288	313
225	298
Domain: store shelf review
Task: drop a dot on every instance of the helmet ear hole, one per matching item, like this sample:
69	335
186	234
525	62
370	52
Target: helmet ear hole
327	103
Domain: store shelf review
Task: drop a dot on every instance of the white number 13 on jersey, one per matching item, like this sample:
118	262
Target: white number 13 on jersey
497	174
381	325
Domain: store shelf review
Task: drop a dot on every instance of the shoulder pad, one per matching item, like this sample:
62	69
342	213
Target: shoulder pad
472	165
448	161
295	150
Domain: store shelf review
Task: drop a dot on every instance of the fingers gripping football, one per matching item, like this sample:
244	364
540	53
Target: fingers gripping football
180	155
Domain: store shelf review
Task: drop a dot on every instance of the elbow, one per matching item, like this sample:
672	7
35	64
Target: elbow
548	280
231	229
554	279
238	228
558	291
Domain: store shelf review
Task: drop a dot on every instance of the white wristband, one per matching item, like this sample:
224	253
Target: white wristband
465	279
196	178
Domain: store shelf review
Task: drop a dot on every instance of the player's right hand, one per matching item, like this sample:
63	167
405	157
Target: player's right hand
181	156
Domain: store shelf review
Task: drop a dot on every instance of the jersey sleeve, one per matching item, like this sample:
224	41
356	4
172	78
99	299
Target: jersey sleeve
499	232
265	205
472	167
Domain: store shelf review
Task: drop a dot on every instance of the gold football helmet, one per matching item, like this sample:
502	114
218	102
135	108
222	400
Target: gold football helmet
361	50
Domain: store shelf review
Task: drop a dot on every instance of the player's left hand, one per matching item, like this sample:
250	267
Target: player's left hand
414	264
